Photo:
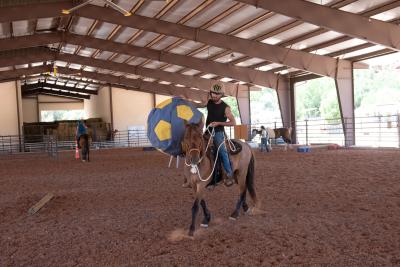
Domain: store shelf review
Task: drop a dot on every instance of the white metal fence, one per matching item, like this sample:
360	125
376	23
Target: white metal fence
372	131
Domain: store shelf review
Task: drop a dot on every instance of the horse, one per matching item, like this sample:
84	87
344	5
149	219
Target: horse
199	168
285	133
84	144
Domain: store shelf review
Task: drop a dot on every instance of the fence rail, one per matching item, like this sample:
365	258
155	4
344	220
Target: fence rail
373	131
52	144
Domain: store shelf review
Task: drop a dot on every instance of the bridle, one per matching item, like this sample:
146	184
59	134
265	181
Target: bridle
195	167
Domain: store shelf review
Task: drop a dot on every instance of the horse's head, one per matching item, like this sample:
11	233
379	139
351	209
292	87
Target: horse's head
193	143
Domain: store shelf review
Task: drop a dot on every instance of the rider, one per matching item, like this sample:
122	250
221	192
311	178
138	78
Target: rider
219	115
81	129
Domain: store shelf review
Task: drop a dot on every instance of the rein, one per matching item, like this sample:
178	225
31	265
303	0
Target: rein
195	167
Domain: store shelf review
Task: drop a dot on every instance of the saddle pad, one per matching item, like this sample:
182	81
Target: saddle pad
237	147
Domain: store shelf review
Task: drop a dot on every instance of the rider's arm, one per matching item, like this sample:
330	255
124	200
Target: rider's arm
231	119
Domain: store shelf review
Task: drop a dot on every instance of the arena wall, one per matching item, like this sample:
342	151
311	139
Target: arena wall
30	109
9	111
98	106
130	108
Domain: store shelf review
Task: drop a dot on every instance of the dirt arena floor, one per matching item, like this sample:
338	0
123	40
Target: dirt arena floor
126	208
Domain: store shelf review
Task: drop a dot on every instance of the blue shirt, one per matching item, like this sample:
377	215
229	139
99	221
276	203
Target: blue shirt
81	129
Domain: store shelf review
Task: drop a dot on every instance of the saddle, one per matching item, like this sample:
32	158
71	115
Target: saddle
233	148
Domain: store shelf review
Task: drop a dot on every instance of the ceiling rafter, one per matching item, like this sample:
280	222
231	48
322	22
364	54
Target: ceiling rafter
239	73
37	55
44	91
117	81
372	30
27	87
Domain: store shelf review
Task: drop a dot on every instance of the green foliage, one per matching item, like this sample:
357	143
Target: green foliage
58	115
264	106
317	98
376	91
377	88
231	101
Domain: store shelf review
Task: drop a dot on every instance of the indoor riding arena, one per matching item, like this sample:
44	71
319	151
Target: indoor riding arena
107	158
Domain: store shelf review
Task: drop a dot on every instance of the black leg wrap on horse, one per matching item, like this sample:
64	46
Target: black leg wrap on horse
245	206
239	204
195	209
207	215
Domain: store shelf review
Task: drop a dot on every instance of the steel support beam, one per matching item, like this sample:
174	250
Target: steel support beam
11	58
314	63
345	91
247	75
53	92
25	56
357	26
177	78
318	64
16	74
243	100
293	111
32	11
33	86
28	41
283	94
140	85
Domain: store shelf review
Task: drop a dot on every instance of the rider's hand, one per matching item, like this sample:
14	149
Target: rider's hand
214	124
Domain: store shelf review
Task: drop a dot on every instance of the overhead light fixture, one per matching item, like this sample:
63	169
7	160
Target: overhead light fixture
108	2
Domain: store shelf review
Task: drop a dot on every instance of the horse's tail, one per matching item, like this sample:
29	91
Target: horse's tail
250	179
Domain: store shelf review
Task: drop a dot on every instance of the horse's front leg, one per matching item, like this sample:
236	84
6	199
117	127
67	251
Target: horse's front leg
207	214
242	197
239	204
195	209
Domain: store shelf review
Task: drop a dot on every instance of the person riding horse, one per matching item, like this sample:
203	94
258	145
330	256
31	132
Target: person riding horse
81	129
219	116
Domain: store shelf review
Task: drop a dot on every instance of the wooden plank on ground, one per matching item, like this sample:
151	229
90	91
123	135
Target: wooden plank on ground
35	208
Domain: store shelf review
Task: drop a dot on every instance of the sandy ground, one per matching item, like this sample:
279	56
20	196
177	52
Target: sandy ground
126	208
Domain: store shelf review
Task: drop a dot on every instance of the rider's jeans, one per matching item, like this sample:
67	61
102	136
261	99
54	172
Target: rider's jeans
223	153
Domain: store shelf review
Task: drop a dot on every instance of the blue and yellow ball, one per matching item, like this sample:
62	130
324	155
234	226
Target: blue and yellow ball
166	124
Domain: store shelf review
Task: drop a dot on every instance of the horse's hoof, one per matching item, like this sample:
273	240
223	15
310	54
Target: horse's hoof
204	225
232	218
186	185
249	211
191	233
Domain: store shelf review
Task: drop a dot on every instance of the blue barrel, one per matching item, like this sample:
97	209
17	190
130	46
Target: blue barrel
304	149
166	124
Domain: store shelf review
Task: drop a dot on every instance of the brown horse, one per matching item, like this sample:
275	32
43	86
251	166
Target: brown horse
199	168
84	144
285	133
